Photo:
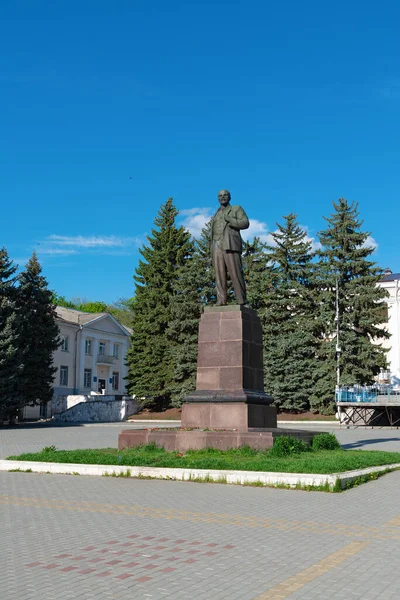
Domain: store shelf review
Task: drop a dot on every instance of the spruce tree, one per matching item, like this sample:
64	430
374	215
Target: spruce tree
10	358
344	261
193	289
289	325
149	359
255	268
39	335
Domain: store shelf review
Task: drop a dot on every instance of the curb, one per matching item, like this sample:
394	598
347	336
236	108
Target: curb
300	423
218	476
153	421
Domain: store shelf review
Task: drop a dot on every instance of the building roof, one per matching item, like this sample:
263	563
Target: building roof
78	317
391	277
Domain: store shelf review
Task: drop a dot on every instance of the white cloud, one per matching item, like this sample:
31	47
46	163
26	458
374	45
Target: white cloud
195	219
65	245
315	244
92	241
258	229
370	242
56	251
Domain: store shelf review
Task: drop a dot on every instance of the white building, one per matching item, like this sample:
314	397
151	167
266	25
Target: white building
391	283
91	357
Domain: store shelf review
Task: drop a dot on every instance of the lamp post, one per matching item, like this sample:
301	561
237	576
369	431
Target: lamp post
338	349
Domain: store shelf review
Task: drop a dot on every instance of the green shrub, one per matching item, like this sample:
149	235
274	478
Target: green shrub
325	441
49	449
285	445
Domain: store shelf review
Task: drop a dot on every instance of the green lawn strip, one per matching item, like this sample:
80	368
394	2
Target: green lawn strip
243	459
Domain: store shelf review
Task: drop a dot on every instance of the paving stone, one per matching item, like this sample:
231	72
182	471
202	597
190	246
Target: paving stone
86	537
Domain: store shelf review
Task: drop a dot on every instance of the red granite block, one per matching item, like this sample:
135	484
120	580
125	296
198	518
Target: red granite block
222	440
123	576
190	561
191	440
66	569
131	565
52	566
208	378
164	439
228	415
230	329
220	354
104	574
230	378
168	570
209	331
195	415
132	437
143	579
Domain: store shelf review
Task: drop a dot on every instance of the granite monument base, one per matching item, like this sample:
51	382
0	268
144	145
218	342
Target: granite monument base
229	407
228	415
179	440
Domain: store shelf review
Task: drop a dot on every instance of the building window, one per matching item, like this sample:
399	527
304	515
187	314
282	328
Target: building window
87	378
88	346
115	380
116	351
64	343
102	348
63	375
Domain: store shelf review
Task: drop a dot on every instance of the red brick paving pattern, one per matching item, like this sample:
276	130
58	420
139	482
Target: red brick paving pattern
181	547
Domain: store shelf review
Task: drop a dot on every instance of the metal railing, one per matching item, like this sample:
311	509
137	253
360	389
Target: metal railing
367	393
105	358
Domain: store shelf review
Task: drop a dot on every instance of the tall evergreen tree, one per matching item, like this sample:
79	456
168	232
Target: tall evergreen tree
344	262
256	274
193	289
289	326
9	339
149	360
39	335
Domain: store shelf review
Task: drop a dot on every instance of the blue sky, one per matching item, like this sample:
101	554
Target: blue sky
290	105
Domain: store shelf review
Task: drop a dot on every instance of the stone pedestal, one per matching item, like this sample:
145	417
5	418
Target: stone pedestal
229	407
230	385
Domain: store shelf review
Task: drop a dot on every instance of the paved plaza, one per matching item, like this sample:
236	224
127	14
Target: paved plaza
70	537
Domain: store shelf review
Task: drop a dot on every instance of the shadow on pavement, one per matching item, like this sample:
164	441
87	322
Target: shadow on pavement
39	425
360	443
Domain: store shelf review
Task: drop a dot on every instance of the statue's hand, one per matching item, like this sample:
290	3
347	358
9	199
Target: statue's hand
227	215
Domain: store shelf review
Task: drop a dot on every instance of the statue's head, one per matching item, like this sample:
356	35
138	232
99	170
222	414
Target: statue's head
224	197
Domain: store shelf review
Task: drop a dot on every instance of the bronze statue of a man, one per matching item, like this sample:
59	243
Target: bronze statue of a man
226	248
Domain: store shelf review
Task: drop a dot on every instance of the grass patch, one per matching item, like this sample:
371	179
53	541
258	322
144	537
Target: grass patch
242	459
